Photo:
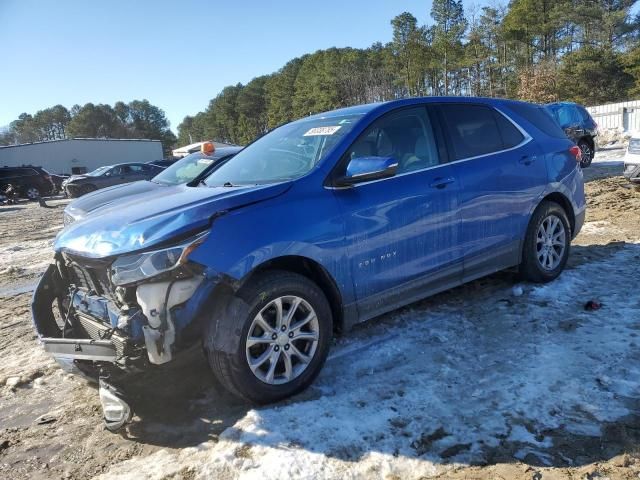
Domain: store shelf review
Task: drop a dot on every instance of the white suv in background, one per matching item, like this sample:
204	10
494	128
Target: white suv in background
632	160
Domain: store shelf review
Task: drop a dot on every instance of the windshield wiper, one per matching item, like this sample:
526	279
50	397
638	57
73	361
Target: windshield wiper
229	184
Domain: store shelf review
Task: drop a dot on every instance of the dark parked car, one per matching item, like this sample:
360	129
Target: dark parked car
191	168
167	162
318	225
578	125
107	176
30	182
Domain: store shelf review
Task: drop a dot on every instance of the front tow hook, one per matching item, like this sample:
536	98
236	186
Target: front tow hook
116	411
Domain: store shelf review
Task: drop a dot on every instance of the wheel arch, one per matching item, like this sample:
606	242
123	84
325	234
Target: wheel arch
315	272
566	205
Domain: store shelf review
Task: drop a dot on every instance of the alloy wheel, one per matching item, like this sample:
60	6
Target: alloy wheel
32	193
586	154
282	340
551	242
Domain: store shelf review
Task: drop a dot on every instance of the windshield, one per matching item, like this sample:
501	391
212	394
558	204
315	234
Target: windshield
286	153
186	169
98	171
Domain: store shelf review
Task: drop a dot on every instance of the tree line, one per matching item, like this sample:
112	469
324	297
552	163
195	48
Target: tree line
136	119
587	51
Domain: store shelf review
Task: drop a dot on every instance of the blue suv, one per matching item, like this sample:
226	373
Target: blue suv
320	224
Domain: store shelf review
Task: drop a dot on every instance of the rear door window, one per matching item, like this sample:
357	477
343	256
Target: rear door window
473	130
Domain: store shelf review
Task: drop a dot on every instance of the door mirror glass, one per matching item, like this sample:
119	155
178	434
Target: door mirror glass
365	169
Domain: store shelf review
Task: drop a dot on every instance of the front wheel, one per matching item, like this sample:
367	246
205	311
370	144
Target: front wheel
284	339
547	243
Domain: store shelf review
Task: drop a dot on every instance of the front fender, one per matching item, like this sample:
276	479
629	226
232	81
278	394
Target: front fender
301	224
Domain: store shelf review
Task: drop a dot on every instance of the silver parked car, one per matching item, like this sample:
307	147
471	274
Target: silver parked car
107	176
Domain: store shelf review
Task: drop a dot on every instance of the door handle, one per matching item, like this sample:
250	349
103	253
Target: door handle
441	183
527	160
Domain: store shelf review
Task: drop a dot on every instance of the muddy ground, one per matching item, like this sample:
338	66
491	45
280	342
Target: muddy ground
50	421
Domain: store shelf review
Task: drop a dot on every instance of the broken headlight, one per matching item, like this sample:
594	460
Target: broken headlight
134	268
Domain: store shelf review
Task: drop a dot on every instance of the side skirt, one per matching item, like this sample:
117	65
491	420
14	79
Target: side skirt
476	267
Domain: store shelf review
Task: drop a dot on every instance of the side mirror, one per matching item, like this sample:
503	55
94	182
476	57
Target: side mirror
365	169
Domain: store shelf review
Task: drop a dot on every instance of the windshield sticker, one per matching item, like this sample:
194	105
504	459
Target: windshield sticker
205	161
315	131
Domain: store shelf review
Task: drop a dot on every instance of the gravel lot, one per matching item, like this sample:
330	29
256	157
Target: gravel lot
484	381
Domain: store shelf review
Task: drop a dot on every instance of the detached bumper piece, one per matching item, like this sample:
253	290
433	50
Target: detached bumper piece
81	349
116	411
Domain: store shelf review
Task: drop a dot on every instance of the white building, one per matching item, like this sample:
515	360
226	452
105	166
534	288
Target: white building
79	155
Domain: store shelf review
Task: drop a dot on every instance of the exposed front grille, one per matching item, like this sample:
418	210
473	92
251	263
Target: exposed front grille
99	331
91	278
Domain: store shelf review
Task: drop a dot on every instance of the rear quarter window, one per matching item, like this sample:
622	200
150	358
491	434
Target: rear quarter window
511	136
539	117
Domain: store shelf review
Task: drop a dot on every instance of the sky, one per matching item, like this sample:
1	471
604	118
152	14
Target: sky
176	54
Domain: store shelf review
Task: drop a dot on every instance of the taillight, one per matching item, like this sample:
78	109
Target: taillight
576	152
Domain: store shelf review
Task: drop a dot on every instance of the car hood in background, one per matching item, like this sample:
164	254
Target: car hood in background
84	205
73	178
140	221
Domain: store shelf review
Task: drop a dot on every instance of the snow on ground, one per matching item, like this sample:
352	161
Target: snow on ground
27	257
613	155
461	378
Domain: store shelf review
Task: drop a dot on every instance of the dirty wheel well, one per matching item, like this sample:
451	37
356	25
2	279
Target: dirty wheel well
566	206
314	272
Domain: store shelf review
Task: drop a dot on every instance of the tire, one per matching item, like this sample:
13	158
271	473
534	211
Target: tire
536	266
261	294
587	153
31	192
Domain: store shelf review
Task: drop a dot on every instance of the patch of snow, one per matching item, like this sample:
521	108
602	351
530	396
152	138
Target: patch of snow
609	157
599	227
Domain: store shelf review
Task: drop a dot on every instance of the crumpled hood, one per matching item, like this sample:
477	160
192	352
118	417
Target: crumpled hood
141	221
75	177
86	204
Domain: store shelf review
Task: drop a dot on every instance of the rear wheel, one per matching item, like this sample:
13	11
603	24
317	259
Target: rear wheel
547	243
32	193
284	339
587	153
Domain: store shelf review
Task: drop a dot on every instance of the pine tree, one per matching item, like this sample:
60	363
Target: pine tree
448	32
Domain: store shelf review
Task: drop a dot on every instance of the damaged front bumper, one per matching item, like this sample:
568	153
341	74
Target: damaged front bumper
105	332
